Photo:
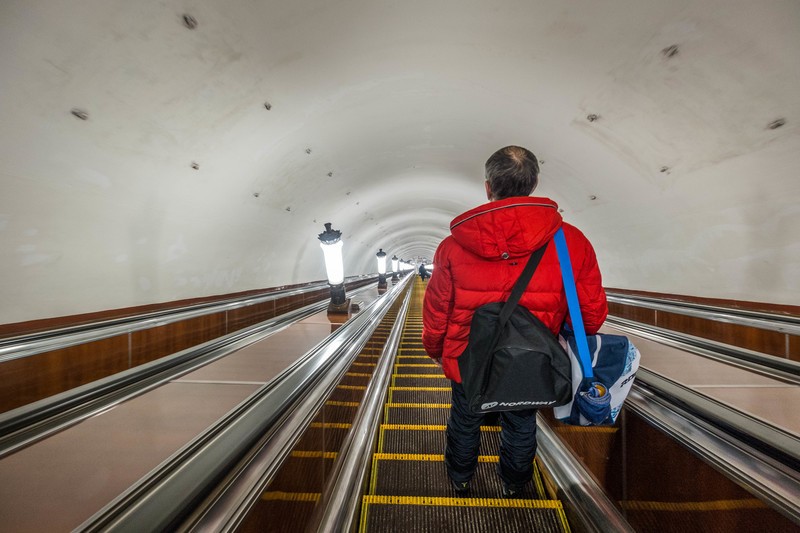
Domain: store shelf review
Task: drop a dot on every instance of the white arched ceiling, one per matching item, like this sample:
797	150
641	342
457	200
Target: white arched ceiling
399	103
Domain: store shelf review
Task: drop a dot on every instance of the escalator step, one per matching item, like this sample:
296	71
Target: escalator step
402	438
403	475
466	515
419	380
418	368
419	394
417	415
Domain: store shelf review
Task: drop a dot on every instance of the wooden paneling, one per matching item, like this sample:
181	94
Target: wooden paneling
669	489
29	379
33	378
792	310
794	347
768	342
250	315
151	344
630	312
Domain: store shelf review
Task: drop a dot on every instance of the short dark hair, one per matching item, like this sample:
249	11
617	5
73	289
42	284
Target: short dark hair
512	171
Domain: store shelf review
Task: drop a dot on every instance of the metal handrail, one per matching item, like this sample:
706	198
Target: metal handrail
338	506
780	444
769	365
588	501
27	345
745	463
757	319
163	497
24	425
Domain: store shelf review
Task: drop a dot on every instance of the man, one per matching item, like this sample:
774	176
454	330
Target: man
478	264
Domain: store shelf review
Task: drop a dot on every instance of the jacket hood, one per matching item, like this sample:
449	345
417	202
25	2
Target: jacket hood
512	227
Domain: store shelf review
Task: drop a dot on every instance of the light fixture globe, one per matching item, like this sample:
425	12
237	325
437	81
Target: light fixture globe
330	241
395	265
381	256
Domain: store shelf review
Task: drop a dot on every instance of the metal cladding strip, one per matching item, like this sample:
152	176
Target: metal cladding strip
779	444
590	503
165	496
760	320
24	425
342	495
768	365
27	345
234	499
777	485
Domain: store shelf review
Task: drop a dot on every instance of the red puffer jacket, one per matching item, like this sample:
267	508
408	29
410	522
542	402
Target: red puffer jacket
485	254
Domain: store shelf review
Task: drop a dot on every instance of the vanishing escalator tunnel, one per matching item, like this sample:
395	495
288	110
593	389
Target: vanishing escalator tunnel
656	483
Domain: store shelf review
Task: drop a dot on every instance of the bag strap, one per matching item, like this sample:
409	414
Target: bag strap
573	304
520	286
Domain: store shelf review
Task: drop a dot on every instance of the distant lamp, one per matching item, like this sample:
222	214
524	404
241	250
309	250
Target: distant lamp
381	255
331	244
395	264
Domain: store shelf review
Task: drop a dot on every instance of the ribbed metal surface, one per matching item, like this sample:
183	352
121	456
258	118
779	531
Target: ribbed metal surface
420	396
405	478
430	441
417	415
424	518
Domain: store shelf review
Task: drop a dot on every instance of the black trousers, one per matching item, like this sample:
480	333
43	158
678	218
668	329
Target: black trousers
517	442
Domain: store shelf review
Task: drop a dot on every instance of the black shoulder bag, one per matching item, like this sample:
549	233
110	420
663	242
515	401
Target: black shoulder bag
512	360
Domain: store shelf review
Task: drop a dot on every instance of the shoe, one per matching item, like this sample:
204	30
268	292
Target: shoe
460	488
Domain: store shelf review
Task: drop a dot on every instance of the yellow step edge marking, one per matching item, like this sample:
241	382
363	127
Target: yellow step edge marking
461	502
422	427
352	387
364	364
330	425
423	376
291	496
425	389
416	365
335	403
586	429
358	375
427	457
717	505
420	405
314	455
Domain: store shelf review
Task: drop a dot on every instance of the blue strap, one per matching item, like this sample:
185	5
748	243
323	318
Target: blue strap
573	305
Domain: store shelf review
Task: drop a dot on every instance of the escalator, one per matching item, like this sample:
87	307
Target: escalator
409	489
639	468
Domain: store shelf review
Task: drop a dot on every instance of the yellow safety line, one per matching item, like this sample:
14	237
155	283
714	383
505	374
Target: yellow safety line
352	387
461	502
416	365
358	375
413	357
423	389
330	425
364	364
427	457
537	479
418	427
420	405
717	505
335	403
424	376
586	429
314	455
291	496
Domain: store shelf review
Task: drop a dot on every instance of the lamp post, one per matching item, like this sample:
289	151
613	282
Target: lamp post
381	255
395	264
331	244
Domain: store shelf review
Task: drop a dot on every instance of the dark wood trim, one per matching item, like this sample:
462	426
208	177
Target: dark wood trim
793	310
45	324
